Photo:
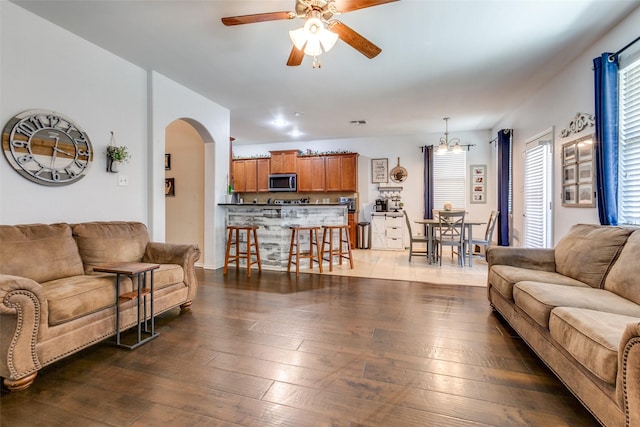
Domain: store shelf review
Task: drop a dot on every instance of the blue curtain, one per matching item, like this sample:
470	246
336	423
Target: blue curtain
504	182
606	141
428	182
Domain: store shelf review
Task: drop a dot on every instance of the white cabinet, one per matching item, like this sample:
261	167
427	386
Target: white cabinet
387	230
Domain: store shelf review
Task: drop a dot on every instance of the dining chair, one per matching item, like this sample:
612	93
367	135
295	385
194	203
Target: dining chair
415	239
488	234
451	233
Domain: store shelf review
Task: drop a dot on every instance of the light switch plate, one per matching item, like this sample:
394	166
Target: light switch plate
123	180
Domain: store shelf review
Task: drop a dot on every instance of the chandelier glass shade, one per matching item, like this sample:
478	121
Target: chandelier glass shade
313	37
445	143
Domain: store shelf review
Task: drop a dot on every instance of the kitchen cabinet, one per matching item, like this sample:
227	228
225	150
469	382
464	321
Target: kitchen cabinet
239	176
341	172
387	229
311	173
351	221
250	175
283	161
262	171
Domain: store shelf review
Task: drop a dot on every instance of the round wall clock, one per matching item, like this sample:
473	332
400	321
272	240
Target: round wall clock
47	148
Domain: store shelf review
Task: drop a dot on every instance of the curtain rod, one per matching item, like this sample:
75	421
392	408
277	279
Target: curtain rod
614	55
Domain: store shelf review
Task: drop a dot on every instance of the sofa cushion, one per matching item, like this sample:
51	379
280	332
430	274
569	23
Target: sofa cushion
167	275
108	242
623	279
504	277
587	251
73	297
538	299
40	252
591	337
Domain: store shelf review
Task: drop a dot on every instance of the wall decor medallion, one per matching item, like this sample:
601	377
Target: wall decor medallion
579	123
47	148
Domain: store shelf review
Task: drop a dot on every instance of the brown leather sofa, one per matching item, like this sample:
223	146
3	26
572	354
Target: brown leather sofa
52	303
578	307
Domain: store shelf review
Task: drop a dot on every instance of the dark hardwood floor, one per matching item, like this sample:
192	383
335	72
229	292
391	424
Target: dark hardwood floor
312	351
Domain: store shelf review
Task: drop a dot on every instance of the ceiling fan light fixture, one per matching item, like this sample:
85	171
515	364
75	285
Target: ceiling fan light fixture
313	47
313	27
298	37
328	39
313	37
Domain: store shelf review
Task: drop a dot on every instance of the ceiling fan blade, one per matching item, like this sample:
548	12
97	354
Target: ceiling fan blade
257	17
355	40
295	57
345	6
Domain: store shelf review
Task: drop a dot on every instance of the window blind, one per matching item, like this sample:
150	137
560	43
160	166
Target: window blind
629	145
536	196
449	179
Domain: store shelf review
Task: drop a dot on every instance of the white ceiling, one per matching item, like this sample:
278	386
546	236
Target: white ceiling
468	60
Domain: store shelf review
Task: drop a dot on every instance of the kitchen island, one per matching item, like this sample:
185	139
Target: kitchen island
274	234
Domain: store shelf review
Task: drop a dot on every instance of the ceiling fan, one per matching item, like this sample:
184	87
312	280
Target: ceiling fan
314	37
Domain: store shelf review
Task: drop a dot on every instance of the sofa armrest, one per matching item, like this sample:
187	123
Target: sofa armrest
628	381
183	255
533	258
21	311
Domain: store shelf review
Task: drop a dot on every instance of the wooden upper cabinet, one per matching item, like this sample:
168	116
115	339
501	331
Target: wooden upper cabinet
341	172
284	161
263	168
349	175
251	176
333	172
239	176
311	173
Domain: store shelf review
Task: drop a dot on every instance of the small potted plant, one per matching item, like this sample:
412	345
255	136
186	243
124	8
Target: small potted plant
116	155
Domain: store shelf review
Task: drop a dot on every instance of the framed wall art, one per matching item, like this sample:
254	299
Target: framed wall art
578	189
169	187
167	162
379	170
478	183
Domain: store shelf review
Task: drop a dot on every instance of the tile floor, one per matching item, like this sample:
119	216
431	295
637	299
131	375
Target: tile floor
395	265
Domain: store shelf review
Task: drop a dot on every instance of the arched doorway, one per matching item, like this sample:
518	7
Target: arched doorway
184	188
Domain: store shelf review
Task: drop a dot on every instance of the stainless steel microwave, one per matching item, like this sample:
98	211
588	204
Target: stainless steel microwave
283	182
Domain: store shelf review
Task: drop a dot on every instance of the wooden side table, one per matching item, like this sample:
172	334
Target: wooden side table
139	271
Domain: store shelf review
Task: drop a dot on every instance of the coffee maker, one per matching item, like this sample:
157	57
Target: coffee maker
381	205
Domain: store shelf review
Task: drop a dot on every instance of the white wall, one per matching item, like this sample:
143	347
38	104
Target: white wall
46	67
570	92
411	158
103	93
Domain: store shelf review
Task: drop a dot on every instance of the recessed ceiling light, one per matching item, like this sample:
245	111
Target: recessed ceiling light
296	133
279	123
299	113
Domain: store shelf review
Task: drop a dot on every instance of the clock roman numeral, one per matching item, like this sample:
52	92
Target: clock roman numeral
28	128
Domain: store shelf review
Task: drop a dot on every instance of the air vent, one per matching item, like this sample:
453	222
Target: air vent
358	122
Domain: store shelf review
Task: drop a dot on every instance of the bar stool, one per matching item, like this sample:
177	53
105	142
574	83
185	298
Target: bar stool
234	239
299	254
343	250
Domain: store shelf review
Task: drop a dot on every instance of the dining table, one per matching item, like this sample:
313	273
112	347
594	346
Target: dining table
431	224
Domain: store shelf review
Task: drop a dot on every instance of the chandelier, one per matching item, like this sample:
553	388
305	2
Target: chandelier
444	145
